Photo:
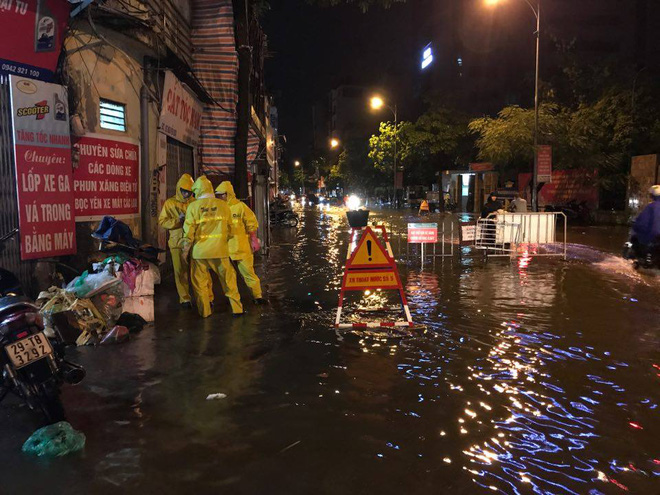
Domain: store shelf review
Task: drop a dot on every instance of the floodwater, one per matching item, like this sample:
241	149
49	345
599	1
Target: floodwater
531	376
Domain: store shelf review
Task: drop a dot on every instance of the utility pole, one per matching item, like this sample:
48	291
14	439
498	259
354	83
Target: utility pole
242	35
535	185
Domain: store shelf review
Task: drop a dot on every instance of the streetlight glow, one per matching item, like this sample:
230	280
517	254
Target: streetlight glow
492	3
377	103
334	142
296	163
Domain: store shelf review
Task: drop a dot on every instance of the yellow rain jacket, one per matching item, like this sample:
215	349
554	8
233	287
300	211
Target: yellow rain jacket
244	222
174	207
208	223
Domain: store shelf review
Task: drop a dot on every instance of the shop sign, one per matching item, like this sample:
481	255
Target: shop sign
42	151
482	167
544	164
31	36
181	116
422	233
107	179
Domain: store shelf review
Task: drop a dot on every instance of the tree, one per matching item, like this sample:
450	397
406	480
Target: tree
508	139
381	146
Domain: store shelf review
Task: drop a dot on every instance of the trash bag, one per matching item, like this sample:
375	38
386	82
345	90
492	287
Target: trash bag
87	285
135	323
54	440
117	335
110	303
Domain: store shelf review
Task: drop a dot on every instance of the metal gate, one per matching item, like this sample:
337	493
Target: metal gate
10	257
180	160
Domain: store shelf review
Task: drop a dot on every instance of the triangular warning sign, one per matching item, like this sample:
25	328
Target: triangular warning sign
369	253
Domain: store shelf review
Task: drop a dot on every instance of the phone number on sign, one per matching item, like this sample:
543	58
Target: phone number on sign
15	69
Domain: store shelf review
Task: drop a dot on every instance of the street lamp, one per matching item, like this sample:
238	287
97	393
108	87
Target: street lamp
298	164
537	13
377	103
334	143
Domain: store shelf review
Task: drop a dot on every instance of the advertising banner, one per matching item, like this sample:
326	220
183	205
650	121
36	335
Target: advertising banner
568	186
544	171
42	153
181	116
107	180
422	233
31	36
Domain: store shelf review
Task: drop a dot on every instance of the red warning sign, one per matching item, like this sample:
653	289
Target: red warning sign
371	266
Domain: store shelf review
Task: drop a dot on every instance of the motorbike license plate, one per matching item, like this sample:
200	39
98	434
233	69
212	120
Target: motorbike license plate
29	350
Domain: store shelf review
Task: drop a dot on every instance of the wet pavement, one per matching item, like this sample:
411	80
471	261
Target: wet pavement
532	376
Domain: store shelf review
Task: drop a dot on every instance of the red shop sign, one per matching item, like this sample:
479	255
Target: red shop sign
31	36
42	150
107	180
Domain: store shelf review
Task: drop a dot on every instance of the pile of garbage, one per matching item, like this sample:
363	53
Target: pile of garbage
116	299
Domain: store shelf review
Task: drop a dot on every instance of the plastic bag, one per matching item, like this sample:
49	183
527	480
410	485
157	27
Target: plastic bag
110	303
54	441
117	335
89	285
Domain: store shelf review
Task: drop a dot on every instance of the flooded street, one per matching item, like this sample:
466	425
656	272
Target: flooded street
532	376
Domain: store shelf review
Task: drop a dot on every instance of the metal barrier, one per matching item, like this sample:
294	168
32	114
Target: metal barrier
507	234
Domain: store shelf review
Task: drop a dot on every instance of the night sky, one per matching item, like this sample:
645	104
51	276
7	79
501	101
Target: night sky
316	49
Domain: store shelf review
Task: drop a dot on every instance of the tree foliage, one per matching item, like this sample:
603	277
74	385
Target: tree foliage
438	140
382	145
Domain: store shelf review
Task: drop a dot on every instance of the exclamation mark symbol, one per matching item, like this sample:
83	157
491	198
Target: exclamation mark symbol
369	249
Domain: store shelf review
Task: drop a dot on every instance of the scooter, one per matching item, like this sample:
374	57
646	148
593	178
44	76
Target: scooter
643	257
283	216
32	364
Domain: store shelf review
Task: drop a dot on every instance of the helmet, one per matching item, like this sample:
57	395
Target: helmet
655	191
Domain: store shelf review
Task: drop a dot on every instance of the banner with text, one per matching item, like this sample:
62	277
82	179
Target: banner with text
181	116
31	36
42	154
107	180
422	233
544	161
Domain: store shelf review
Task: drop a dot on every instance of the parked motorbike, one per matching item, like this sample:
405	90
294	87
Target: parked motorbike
283	216
646	257
33	365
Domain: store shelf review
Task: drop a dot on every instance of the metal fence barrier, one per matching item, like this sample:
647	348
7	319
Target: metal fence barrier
510	234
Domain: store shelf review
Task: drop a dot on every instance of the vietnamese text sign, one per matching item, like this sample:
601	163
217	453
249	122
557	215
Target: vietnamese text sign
107	180
31	36
544	164
181	116
422	233
42	153
371	280
468	233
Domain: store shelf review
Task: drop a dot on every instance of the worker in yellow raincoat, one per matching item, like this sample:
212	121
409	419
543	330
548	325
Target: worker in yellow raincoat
171	219
244	241
206	231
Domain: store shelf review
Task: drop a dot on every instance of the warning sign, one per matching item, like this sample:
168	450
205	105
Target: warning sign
369	253
371	266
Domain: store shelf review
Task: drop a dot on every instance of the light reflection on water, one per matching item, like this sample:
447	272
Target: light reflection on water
517	351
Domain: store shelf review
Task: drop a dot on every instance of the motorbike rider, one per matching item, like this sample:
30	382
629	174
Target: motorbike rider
646	228
207	230
244	241
171	218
